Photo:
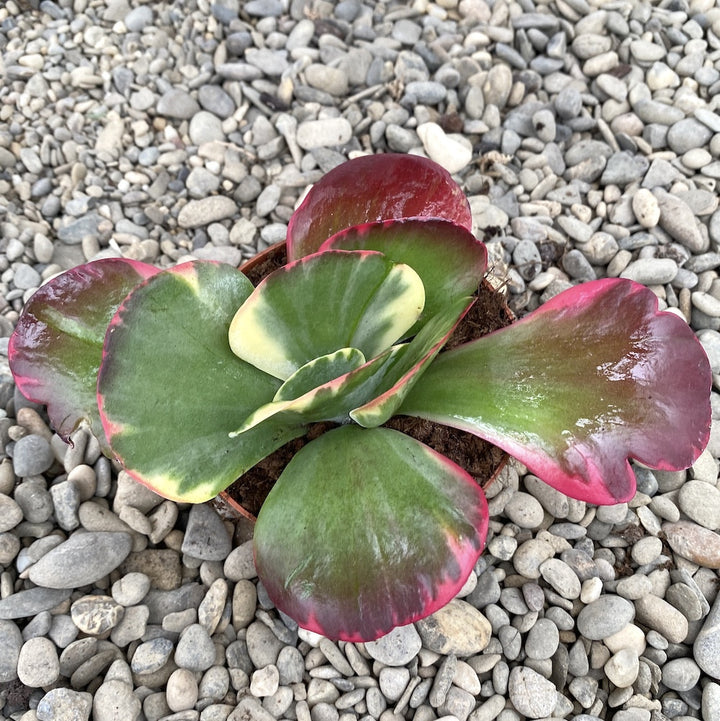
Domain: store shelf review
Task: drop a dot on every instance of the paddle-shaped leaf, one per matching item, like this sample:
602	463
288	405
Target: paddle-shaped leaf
170	389
322	303
594	376
448	258
56	348
372	188
351	549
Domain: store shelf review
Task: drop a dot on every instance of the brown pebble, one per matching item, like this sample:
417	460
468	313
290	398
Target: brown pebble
697	544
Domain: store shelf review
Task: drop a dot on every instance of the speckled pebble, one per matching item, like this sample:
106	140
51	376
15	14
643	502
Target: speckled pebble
195	650
396	648
531	694
38	664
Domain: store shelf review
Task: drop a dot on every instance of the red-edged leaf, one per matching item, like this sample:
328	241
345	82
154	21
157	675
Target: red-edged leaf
56	348
372	188
593	377
367	530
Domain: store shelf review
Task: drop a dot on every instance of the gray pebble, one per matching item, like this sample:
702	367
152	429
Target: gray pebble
215	100
651	271
623	168
706	648
700	501
325	133
151	655
393	681
11	642
524	510
205	127
64	704
32	456
178	104
396	648
687	134
532	695
206	537
137	19
677	218
263	646
561	577
542	640
83	559
10	513
38	664
195	650
680	674
576	265
114	700
605	616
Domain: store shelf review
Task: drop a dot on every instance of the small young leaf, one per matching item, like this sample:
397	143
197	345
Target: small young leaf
351	549
372	188
448	258
322	303
56	348
171	391
594	376
368	394
319	371
331	401
411	364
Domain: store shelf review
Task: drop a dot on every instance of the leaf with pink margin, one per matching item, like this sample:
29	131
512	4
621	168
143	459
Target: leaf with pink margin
171	391
449	259
372	188
366	530
56	348
593	377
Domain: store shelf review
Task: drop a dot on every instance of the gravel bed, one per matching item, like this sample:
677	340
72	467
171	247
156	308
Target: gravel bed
586	134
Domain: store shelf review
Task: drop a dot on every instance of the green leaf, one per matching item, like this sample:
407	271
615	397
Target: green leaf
448	258
366	530
331	401
323	303
319	371
56	348
171	391
591	378
368	394
412	361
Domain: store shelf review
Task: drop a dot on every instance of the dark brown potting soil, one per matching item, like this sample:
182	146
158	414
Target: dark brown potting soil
480	458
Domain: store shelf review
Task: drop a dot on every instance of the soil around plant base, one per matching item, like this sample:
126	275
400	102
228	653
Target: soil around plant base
479	457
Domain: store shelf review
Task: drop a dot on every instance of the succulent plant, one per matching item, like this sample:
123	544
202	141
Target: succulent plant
191	376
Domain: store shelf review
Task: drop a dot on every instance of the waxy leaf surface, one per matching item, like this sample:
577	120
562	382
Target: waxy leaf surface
372	188
171	391
351	548
594	376
322	303
368	394
412	361
319	371
448	258
56	348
